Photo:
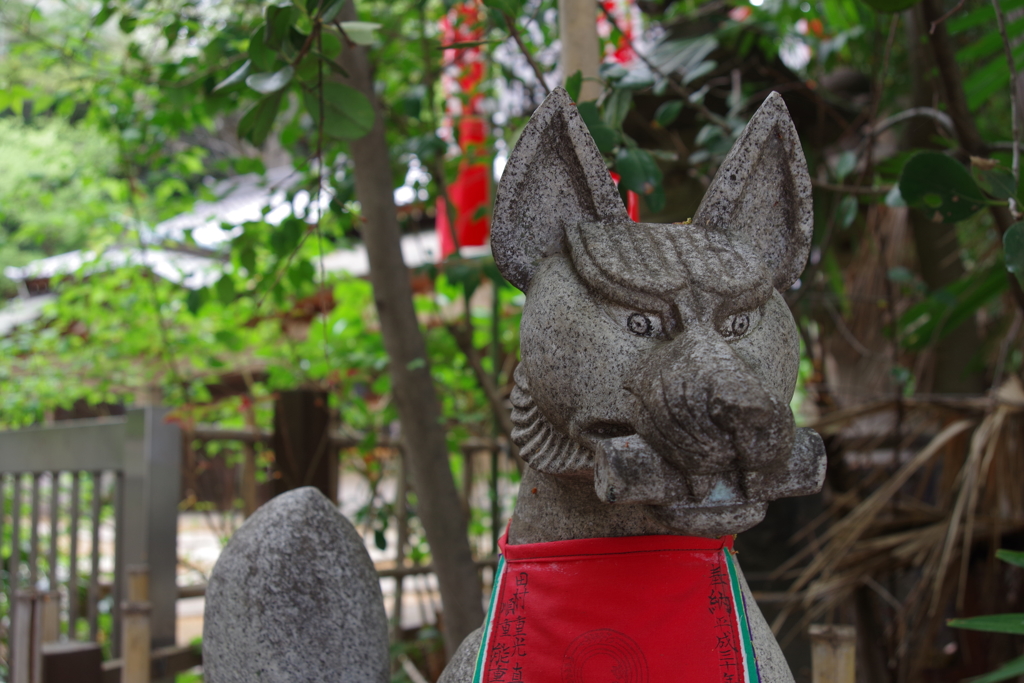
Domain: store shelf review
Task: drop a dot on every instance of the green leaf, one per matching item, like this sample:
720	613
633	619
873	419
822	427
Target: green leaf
308	70
668	112
247	257
330	43
845	164
573	84
128	23
237	77
607	139
269	83
1012	669
279	20
257	122
847	211
171	33
636	79
225	289
1013	245
286	237
998	181
1014	557
929	321
332	11
229	339
616	107
641	174
348	114
261	55
942	186
702	69
301	274
360	32
509	7
297	38
195	300
335	67
993	623
380	540
890	5
105	13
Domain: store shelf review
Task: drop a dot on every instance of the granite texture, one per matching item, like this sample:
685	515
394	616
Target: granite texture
294	598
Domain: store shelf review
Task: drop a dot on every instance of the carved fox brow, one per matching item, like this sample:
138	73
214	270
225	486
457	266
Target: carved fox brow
647	266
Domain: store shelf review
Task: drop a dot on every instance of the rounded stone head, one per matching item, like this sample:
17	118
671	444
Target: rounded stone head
660	359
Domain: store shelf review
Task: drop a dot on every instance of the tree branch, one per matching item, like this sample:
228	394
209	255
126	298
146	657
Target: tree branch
514	32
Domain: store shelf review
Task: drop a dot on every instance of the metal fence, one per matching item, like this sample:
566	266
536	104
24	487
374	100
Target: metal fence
79	502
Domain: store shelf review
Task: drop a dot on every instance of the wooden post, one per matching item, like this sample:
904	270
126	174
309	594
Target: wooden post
248	479
48	611
21	627
833	653
36	621
135	648
577	28
303	454
150	492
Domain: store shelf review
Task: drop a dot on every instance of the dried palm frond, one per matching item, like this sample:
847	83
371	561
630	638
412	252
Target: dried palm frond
906	532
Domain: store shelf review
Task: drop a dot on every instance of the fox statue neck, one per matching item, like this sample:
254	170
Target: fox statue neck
552	508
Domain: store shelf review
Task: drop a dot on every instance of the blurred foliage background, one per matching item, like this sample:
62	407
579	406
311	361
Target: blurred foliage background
116	117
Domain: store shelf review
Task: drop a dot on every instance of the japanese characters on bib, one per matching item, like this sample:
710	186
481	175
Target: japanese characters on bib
637	609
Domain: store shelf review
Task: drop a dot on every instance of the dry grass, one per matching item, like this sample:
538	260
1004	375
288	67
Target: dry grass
906	531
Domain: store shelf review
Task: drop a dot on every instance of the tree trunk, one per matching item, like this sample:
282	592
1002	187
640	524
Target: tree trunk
301	443
416	399
577	29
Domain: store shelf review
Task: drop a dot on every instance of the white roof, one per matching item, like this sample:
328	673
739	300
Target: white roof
187	270
21	311
243	199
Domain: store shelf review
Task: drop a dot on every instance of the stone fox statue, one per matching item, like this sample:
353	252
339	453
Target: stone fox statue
652	407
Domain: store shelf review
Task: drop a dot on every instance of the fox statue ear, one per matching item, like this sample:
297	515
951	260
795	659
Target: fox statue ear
554	176
762	193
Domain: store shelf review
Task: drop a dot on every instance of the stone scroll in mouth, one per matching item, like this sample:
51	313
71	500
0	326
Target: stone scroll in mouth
660	359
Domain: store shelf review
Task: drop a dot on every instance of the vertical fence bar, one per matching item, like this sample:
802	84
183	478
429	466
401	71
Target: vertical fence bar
73	559
94	570
54	529
15	544
495	501
3	520
33	551
401	511
119	589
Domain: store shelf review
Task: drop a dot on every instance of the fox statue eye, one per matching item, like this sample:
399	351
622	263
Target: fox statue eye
739	324
635	322
639	324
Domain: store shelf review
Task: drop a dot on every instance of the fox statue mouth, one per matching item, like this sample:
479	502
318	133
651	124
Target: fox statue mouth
628	470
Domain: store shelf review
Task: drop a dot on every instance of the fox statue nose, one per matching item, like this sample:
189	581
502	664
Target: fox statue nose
741	408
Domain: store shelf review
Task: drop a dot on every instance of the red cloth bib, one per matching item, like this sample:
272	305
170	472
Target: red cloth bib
638	609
